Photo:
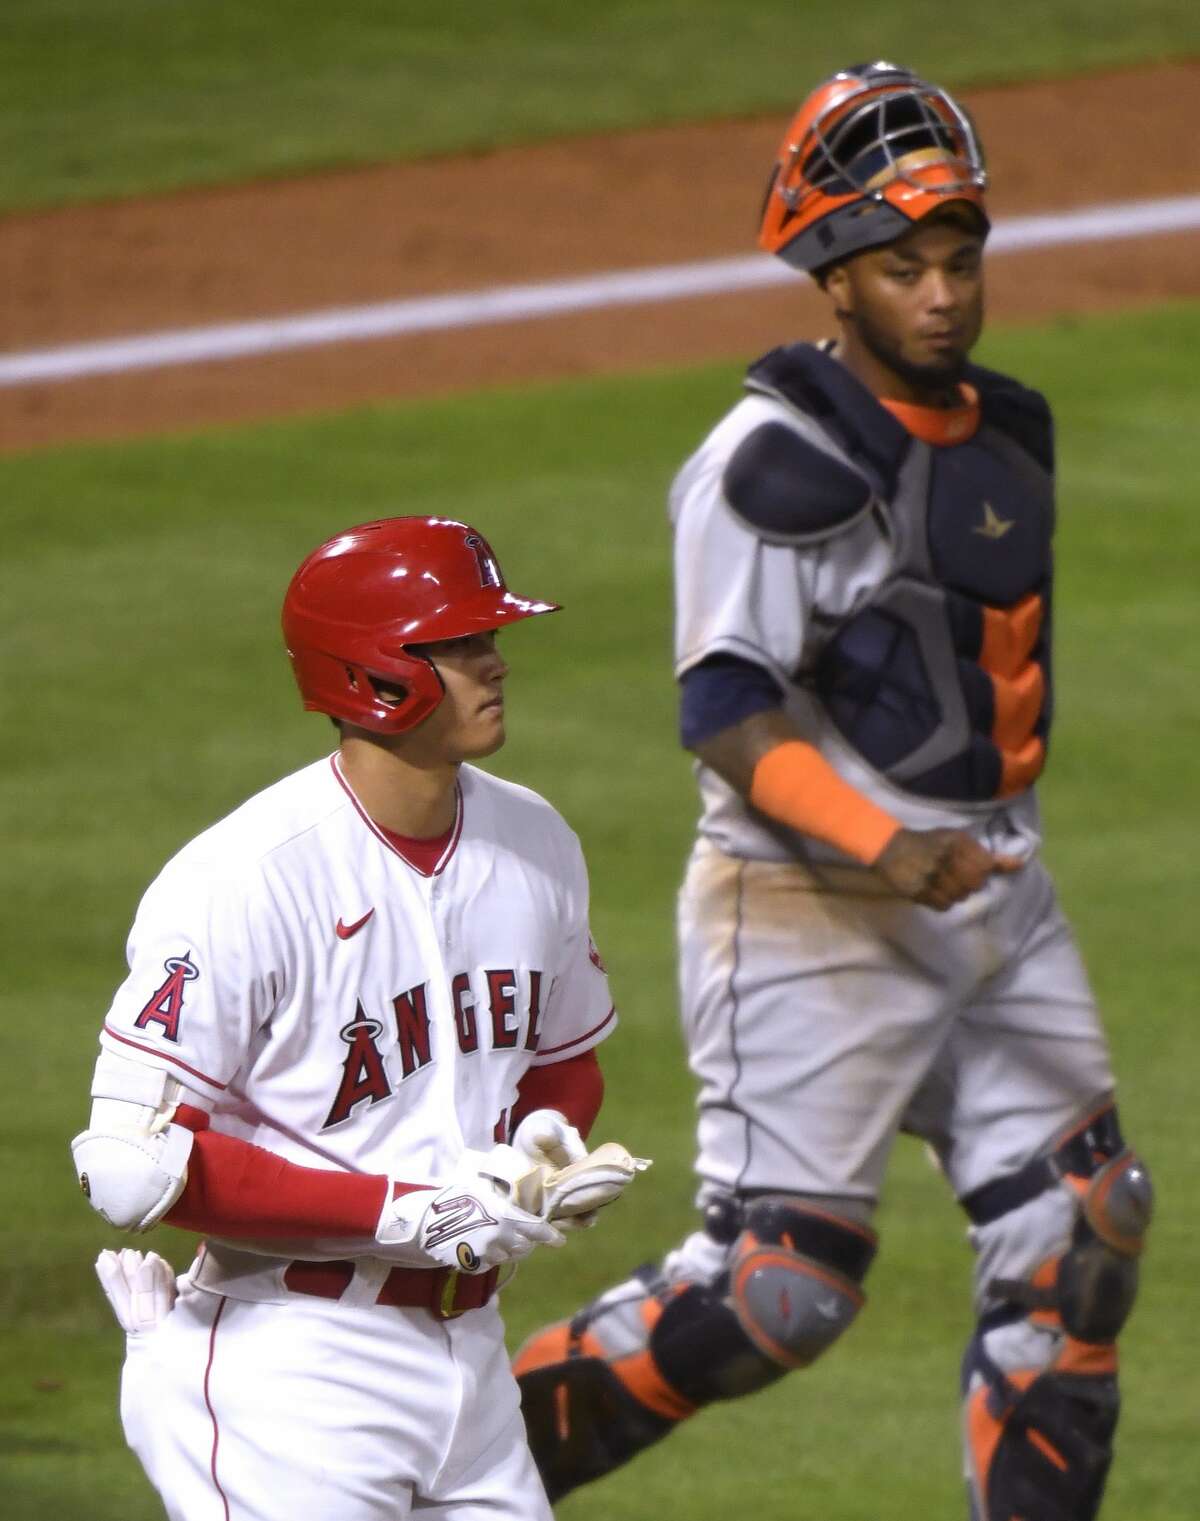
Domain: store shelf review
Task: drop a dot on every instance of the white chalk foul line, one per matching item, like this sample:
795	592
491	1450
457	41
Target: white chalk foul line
520	303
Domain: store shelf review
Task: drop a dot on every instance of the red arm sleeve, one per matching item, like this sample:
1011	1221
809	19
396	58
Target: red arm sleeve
574	1087
237	1190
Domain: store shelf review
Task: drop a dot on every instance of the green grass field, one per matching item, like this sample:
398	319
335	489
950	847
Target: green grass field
116	97
146	692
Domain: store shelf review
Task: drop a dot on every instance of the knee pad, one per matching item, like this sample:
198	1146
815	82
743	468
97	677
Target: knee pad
1094	1283
647	1354
1040	1376
1088	1286
794	1279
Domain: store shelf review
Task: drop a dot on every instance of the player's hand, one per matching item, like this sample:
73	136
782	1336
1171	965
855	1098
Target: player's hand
548	1139
473	1222
939	867
140	1286
570	1184
572	1195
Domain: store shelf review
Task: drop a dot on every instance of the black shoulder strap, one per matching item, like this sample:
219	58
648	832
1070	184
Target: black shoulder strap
817	384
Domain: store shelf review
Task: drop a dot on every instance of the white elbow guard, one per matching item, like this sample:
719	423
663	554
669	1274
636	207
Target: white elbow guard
132	1177
132	1162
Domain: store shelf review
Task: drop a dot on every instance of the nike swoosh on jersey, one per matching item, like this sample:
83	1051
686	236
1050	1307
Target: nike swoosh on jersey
344	931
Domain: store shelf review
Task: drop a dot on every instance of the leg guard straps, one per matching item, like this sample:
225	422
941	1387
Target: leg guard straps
1078	1154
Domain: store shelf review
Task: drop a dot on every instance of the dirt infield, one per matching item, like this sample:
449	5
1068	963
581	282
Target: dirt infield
557	210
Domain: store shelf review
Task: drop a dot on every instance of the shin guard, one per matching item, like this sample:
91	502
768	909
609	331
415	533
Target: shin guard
1040	1390
600	1388
1039	1440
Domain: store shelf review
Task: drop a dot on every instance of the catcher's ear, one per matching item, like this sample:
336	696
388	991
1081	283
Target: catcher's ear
835	282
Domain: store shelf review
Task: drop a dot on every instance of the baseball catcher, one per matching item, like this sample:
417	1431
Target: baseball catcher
868	940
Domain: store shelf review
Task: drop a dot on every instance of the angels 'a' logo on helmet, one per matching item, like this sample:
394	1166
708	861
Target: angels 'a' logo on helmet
489	571
359	602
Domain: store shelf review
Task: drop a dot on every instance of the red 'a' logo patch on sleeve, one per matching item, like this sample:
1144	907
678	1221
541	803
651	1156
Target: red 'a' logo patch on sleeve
595	958
165	1004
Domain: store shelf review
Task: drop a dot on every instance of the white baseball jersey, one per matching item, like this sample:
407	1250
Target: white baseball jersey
344	1009
330	1002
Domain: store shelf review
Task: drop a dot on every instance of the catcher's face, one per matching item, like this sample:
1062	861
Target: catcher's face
912	311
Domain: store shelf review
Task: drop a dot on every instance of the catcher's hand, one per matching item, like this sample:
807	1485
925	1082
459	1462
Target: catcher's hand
475	1221
939	867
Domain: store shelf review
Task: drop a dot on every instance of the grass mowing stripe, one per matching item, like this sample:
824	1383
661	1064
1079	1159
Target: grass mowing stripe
121	97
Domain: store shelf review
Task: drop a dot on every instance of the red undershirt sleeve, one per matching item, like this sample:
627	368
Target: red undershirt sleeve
574	1087
236	1189
239	1190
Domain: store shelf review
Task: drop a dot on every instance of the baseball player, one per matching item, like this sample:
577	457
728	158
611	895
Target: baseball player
868	941
355	1049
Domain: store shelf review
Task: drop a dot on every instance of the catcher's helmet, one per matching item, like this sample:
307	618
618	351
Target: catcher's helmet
868	154
359	602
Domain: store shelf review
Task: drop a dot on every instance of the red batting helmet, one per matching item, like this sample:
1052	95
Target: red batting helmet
868	154
359	602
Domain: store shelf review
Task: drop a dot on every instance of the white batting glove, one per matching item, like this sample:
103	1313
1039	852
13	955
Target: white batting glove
473	1222
551	1143
571	1195
140	1287
548	1139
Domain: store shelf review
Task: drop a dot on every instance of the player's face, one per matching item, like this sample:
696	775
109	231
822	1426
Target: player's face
914	310
469	721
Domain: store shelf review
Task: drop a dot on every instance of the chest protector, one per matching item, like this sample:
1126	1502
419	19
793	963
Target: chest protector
941	678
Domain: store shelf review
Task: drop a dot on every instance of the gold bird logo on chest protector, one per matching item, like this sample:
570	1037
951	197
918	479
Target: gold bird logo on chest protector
992	527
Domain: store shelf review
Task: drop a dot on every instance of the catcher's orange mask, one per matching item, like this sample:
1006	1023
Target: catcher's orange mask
869	153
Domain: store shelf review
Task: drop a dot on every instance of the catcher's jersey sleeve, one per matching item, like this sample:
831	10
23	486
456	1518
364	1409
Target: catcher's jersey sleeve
738	594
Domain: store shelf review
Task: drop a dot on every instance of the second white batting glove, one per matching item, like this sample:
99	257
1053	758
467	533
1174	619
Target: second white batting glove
473	1222
140	1287
549	1139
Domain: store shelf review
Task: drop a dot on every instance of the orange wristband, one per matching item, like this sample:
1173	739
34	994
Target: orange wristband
796	785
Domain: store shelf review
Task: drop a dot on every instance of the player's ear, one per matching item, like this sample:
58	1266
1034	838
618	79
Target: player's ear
835	282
